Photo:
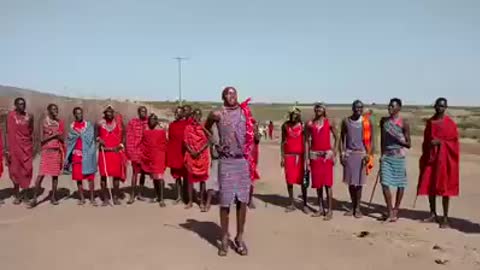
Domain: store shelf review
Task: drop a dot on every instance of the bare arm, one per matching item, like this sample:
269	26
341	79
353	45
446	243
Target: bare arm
333	130
406	133
343	135
212	119
5	140
31	127
308	142
257	134
283	140
372	138
382	136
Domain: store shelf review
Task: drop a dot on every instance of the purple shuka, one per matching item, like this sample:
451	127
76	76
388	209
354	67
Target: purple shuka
354	173
233	171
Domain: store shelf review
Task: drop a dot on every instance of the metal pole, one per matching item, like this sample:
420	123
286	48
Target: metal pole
180	81
179	61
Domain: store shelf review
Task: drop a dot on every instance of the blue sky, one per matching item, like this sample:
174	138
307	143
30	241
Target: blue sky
272	50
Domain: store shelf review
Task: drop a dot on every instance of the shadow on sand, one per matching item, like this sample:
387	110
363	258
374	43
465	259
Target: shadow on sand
207	230
374	211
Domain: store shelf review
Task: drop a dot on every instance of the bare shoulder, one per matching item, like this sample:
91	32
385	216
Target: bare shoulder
215	114
332	122
383	119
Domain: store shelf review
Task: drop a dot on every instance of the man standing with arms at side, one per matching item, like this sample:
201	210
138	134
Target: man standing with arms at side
19	145
439	164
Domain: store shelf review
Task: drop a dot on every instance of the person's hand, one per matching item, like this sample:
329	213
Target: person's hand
282	162
435	142
366	159
195	155
7	158
343	159
101	142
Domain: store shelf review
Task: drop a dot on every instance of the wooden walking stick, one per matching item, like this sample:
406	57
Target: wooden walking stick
110	193
377	179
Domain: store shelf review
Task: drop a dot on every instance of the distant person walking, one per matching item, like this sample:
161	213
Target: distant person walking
80	157
19	145
439	164
270	130
394	140
52	153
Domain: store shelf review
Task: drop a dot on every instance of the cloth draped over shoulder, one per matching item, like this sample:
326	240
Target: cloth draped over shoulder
439	165
89	157
20	148
175	148
249	138
154	146
368	142
196	138
135	129
112	163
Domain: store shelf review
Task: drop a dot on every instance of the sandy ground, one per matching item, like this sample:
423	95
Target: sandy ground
143	236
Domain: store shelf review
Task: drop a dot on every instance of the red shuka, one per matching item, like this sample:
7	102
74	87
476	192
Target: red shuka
175	149
294	152
439	165
198	168
321	168
20	147
135	129
255	154
154	147
114	162
270	131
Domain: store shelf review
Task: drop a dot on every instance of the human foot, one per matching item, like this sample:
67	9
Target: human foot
290	208
358	213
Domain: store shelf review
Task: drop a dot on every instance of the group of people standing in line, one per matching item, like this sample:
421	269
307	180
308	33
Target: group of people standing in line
307	152
221	154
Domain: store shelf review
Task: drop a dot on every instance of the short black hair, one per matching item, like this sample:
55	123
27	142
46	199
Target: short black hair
356	102
226	89
77	108
441	99
396	100
18	99
197	110
141	107
49	107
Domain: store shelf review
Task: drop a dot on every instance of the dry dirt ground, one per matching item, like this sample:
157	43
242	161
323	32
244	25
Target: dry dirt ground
143	236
